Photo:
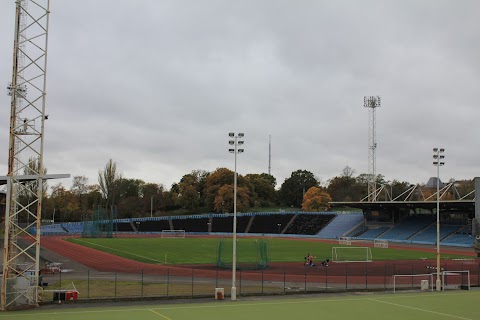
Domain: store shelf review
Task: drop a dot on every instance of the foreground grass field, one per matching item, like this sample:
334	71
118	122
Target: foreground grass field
425	306
205	250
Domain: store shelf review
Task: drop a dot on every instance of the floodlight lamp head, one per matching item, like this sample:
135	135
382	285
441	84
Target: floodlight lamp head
442	150
442	157
435	149
442	163
231	134
435	163
435	156
371	101
231	150
241	150
231	142
240	142
241	135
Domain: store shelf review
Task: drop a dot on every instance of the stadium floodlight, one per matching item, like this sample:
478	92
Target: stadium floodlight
236	142
437	156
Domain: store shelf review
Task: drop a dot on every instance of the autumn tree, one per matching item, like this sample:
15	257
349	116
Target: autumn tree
224	200
216	180
63	204
316	200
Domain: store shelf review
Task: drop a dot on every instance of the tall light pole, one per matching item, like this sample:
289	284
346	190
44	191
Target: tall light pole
372	103
235	143
438	156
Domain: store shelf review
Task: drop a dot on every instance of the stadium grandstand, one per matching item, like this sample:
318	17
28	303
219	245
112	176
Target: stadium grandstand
401	220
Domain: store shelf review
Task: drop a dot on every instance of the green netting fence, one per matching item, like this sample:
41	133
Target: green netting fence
101	224
252	254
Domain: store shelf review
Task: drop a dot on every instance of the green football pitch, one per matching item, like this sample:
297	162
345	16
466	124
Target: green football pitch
204	250
361	306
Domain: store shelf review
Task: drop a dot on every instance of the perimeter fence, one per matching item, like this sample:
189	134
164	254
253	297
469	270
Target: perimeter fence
186	282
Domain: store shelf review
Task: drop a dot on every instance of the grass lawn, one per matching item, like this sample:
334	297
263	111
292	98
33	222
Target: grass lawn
204	250
425	306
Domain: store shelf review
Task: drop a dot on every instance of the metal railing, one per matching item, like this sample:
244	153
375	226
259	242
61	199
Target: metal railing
180	282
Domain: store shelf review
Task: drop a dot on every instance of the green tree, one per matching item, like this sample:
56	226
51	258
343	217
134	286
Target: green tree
154	196
189	197
80	188
128	188
293	188
28	192
262	188
108	182
346	187
131	207
192	190
65	204
397	188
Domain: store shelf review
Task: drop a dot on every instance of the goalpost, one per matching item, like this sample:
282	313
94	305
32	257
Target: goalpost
173	233
455	280
380	243
351	254
423	282
345	241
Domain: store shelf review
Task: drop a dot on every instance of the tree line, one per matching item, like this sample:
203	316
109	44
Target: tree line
201	191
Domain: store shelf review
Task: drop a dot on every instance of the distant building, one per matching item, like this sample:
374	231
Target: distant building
432	183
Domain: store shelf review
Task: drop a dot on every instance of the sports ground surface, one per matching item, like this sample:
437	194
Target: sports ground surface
425	306
357	304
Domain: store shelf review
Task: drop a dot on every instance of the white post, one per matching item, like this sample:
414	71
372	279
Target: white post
437	156
234	259
235	150
439	281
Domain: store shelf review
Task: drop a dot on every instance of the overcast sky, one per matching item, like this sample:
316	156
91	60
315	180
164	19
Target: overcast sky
157	85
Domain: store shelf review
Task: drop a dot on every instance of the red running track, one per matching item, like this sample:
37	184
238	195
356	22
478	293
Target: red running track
372	272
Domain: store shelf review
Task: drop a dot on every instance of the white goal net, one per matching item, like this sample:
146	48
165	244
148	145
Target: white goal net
345	241
173	233
351	254
380	243
422	282
456	280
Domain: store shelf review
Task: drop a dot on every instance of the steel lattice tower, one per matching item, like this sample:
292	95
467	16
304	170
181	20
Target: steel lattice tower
26	175
371	102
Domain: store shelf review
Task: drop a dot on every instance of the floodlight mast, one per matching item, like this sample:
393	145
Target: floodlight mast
372	102
26	176
235	142
269	154
438	156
